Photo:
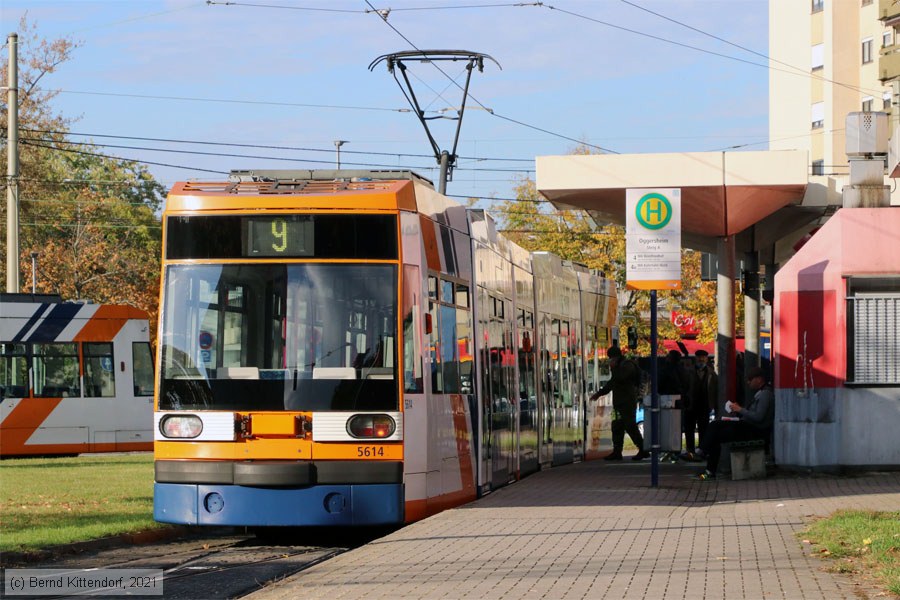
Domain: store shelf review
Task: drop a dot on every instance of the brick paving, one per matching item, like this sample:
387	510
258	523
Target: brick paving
595	530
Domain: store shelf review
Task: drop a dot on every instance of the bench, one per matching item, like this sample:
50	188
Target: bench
744	459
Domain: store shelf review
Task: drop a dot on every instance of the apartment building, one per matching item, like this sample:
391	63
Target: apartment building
828	59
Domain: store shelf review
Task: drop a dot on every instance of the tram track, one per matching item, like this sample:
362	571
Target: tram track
209	567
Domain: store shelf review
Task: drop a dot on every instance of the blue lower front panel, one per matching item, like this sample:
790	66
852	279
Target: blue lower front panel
363	504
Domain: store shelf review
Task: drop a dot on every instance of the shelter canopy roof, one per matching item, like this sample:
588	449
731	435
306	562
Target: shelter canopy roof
722	193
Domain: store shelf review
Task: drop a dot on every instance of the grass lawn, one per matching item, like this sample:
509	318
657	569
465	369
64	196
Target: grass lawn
865	543
49	501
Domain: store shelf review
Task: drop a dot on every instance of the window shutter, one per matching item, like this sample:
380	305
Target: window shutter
876	339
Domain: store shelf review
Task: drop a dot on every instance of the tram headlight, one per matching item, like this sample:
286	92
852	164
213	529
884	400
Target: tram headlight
371	426
181	426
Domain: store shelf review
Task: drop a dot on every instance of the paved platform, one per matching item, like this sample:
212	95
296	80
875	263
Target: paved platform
599	530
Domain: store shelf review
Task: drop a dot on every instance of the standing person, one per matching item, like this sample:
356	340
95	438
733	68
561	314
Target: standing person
750	422
703	397
624	386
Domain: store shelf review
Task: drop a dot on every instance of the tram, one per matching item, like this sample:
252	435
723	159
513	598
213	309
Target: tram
74	377
353	348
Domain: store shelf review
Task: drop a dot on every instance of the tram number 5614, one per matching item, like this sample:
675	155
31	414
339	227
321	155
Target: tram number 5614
369	451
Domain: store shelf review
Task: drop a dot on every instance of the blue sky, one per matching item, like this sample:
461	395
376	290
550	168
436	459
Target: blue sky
295	74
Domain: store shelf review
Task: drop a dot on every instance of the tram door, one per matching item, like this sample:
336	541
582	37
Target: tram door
498	389
563	430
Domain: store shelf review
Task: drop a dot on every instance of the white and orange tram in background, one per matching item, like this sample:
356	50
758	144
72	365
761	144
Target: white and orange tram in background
354	348
74	377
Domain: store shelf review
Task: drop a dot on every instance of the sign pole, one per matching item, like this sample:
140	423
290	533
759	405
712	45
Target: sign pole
654	396
653	262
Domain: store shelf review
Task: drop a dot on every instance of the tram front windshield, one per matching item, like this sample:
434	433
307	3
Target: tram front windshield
279	337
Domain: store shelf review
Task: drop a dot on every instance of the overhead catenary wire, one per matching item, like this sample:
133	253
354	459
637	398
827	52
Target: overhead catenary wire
796	70
53	143
474	99
232	101
380	11
698	49
261	146
799	70
134	160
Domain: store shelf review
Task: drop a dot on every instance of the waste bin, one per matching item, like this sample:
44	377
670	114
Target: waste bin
669	423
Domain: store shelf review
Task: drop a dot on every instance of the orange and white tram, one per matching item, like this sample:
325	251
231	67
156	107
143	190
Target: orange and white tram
353	348
74	377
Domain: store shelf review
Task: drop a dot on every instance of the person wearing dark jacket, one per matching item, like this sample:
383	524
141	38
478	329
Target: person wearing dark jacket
624	387
748	422
702	398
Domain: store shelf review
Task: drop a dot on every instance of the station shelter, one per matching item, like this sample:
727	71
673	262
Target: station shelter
837	283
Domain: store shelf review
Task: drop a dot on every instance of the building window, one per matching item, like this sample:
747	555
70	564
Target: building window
887	38
867	103
886	99
818	5
818	115
818	167
873	330
818	57
866	2
867	51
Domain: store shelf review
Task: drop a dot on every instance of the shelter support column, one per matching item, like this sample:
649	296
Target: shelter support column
751	317
725	248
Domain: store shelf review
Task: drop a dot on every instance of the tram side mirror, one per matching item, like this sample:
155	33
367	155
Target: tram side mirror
427	323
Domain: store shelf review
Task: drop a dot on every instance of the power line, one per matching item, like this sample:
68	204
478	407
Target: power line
800	70
146	162
263	146
382	12
282	6
138	18
261	157
696	48
552	231
230	101
92	224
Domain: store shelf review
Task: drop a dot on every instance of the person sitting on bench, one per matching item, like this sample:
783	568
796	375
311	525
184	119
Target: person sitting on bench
740	423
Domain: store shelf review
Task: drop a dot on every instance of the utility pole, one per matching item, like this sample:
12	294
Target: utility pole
12	169
337	146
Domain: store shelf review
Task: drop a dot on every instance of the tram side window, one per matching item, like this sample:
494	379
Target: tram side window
13	371
412	359
464	340
434	338
142	362
449	344
56	370
99	374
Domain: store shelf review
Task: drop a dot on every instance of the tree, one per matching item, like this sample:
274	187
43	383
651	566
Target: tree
93	219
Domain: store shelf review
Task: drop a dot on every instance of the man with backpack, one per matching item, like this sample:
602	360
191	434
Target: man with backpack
624	385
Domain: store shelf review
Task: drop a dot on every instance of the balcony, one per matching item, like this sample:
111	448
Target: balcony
889	12
889	63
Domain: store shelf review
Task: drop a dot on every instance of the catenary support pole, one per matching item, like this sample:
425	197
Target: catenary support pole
12	169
